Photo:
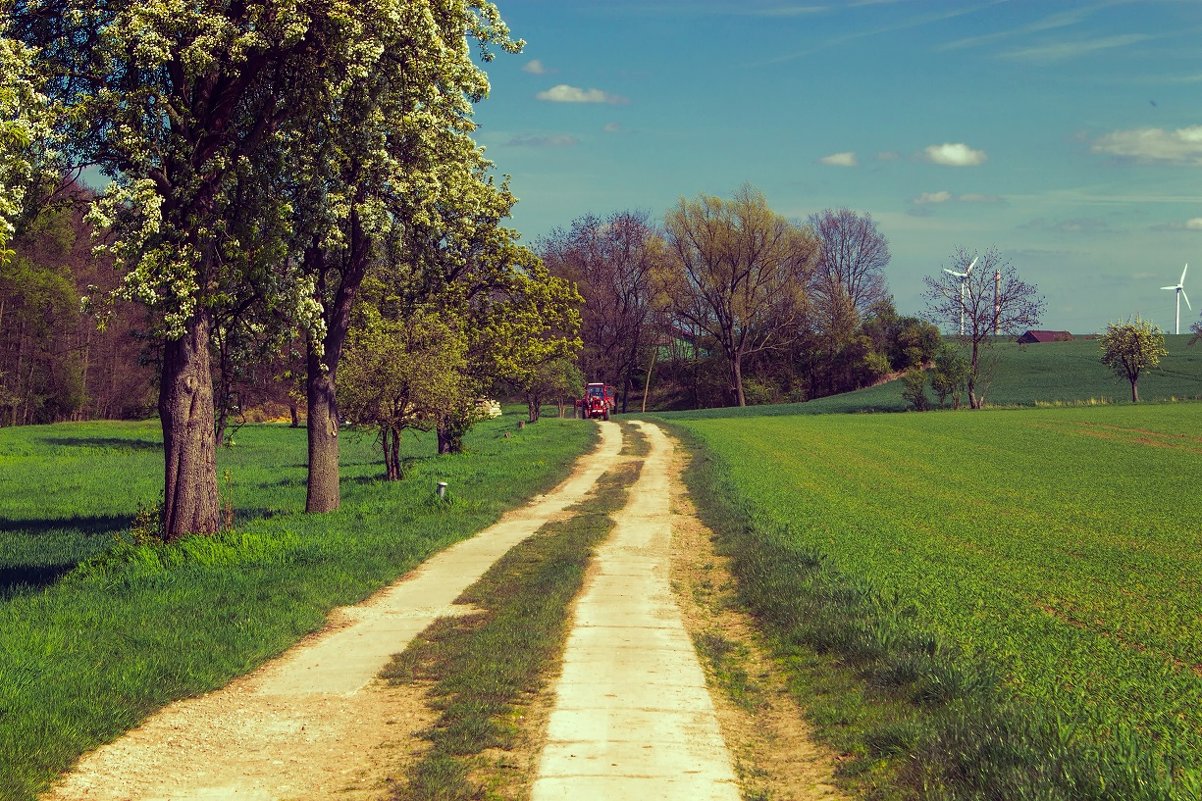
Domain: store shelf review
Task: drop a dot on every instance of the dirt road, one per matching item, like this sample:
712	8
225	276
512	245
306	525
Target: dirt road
315	723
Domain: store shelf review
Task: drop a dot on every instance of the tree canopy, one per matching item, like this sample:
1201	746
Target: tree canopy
1130	348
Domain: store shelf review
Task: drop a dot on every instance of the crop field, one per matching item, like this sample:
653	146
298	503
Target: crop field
87	650
1052	373
1060	546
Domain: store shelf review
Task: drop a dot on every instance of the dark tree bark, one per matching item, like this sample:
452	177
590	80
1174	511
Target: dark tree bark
190	504
322	494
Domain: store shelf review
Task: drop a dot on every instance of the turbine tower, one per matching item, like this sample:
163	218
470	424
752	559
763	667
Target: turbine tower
963	280
1179	290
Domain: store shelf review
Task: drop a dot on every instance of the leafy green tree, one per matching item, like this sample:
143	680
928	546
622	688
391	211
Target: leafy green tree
176	104
401	374
553	381
739	274
388	160
1130	348
23	129
949	374
914	384
538	324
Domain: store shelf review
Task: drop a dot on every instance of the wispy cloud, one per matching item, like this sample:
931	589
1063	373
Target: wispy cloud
844	159
612	127
1152	145
1074	225
906	24
1063	51
930	198
954	154
1062	19
1192	224
551	140
563	93
535	67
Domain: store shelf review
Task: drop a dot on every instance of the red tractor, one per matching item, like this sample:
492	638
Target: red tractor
598	401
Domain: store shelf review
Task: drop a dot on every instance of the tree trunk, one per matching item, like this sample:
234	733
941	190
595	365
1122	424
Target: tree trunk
1135	390
322	426
534	407
974	402
292	410
394	457
736	364
190	504
647	383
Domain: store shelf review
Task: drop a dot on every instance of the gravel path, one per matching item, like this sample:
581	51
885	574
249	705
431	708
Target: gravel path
315	723
633	718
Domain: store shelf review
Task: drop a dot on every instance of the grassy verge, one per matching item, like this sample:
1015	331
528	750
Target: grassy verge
917	715
87	656
483	666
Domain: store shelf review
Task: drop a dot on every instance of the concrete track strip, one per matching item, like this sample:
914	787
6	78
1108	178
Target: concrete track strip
632	716
305	725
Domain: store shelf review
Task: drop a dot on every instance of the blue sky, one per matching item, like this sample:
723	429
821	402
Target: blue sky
1069	135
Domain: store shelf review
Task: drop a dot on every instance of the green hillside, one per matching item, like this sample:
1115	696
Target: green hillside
1025	375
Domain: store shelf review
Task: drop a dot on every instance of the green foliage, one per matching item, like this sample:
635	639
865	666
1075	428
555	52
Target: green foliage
1015	580
232	600
1132	347
949	374
914	389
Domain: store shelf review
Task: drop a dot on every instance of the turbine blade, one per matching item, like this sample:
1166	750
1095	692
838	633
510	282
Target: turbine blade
1191	308
970	266
1183	269
1168	287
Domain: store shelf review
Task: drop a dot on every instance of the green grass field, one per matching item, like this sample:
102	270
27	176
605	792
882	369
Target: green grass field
1058	547
96	633
1053	373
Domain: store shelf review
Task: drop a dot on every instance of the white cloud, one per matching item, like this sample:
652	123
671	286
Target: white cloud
844	159
954	155
535	67
612	127
932	197
929	198
1182	146
1062	51
1194	223
553	140
563	93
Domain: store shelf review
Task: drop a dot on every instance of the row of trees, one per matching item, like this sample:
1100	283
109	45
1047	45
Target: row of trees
268	160
729	302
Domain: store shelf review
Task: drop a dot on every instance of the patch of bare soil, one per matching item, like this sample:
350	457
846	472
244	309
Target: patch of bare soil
772	745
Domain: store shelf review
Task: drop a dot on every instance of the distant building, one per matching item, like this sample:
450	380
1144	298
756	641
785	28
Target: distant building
1035	337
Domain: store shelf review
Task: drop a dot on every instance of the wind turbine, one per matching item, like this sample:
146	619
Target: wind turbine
1180	290
963	280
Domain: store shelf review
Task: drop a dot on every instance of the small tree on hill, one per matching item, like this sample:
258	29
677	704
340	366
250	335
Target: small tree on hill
1131	347
991	301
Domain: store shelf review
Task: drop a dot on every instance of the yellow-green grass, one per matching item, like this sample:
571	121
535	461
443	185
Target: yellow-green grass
85	655
1056	549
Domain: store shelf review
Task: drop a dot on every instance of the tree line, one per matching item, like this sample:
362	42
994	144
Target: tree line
727	302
